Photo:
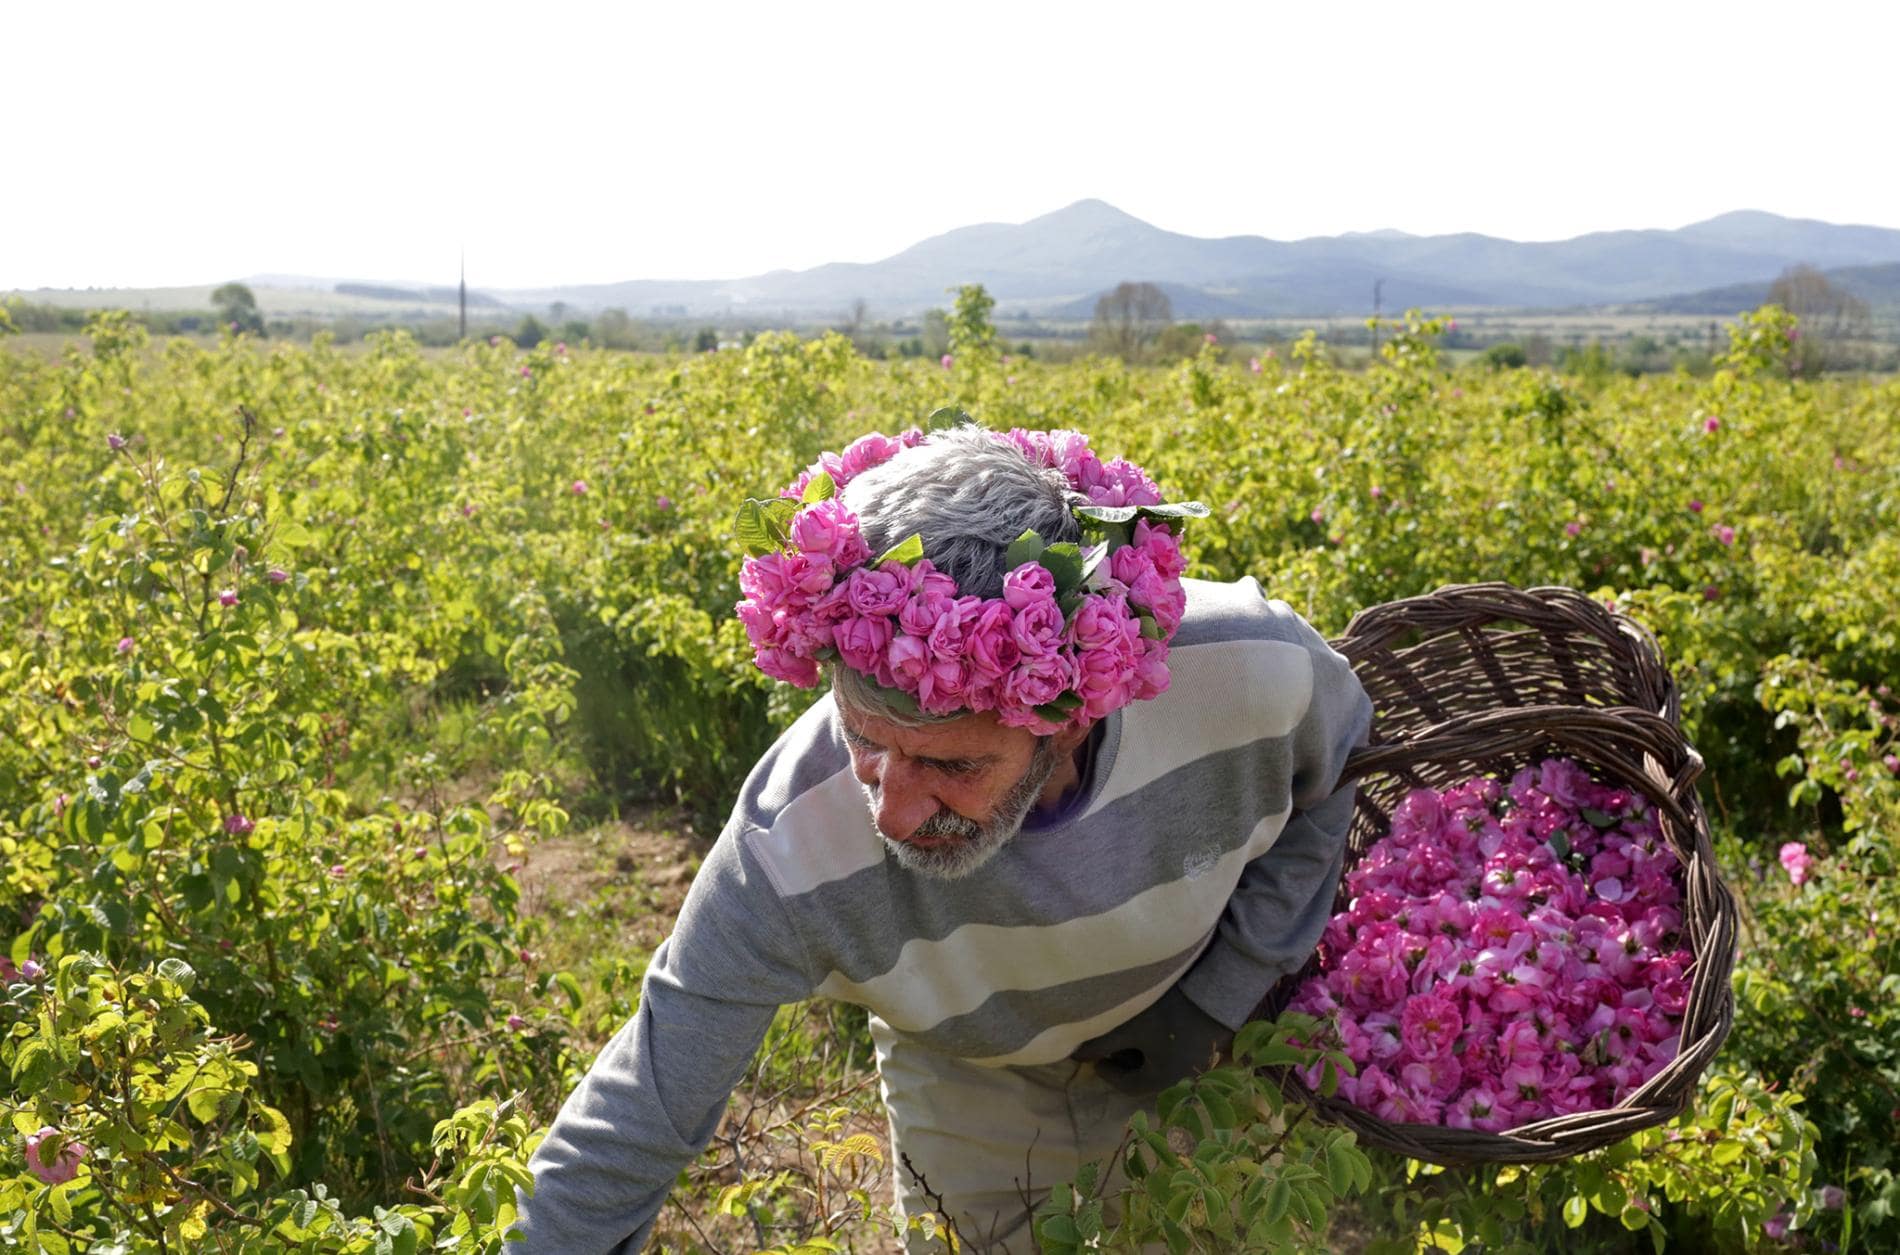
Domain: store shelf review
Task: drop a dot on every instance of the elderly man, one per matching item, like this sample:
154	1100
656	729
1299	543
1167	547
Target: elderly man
1061	821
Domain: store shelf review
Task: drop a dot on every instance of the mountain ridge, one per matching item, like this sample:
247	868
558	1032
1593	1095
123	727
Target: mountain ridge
1058	263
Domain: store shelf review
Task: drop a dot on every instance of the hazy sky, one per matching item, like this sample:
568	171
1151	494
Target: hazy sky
180	142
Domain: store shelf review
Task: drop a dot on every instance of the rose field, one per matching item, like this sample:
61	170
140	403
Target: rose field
366	713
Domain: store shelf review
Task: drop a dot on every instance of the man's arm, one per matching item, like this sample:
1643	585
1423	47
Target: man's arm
1284	898
653	1098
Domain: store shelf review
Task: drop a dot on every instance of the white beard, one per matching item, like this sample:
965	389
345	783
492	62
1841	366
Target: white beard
973	844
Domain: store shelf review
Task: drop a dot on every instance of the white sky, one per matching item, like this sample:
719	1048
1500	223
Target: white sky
155	144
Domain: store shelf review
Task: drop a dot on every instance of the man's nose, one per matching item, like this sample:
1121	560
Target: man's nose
903	801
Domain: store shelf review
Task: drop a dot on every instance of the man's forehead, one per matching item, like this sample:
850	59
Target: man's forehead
966	736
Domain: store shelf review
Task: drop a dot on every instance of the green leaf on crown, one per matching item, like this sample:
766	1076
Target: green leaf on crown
945	416
821	487
762	527
1150	630
1128	513
907	551
1064	562
1059	708
1092	560
1025	548
897	699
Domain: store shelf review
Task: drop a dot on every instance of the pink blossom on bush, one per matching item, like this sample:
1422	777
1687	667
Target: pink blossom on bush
125	644
278	575
944	361
53	1168
1573	528
578	488
1253	364
1724	533
228	597
1711	423
516	1023
238	825
31	969
1796	860
663	502
1695	506
115	441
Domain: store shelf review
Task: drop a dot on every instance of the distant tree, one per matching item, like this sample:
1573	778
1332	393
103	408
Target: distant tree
936	335
237	304
1504	355
574	330
969	327
1129	318
613	329
530	332
1828	320
707	340
557	311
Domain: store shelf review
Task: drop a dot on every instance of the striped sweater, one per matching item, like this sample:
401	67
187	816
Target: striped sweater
1203	849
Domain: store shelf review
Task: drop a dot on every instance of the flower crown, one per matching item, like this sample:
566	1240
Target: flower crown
1080	630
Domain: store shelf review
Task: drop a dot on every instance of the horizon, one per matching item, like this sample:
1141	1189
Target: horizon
282	280
602	145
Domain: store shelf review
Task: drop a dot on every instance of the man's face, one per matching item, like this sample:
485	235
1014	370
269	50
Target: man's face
948	796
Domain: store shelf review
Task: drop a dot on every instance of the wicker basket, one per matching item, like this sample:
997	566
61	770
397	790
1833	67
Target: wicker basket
1484	679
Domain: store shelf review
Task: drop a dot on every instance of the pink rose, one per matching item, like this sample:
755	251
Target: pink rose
786	580
1429	1026
782	664
880	590
1795	858
1027	584
1099	621
1037	680
908	657
989	643
861	641
1037	627
1151	671
1163	547
54	1169
1121	482
829	529
1104	676
866	452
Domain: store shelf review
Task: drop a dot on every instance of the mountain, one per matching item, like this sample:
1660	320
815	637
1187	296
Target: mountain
1879	286
1058	264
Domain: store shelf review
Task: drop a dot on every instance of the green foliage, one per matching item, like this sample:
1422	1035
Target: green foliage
1223	1165
1708	1181
971	332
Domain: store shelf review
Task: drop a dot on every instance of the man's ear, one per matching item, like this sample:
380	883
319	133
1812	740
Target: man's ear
1069	738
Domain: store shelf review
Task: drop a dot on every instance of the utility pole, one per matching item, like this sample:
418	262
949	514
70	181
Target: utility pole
1376	285
461	332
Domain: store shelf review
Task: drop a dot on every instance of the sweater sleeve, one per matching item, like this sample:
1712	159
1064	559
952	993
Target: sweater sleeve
1280	907
654	1096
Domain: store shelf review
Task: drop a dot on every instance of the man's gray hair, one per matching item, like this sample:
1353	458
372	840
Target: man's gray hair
968	495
